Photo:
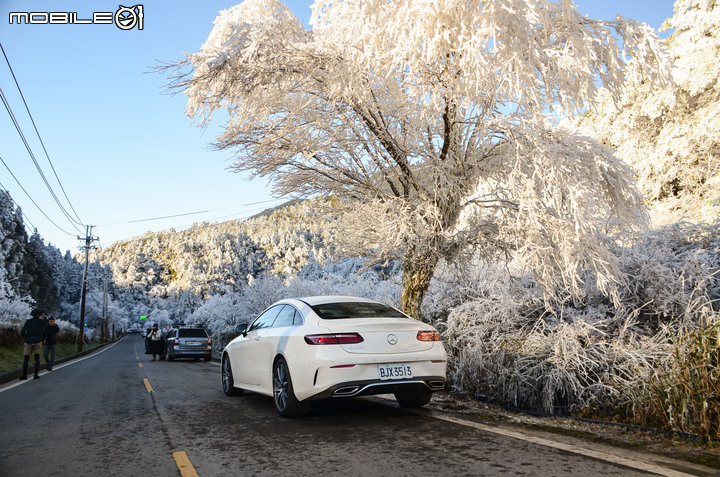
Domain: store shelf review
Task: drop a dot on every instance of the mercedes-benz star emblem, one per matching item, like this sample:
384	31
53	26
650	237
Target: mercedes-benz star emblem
392	339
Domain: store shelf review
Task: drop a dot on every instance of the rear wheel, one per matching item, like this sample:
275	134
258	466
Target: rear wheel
286	404
228	383
413	398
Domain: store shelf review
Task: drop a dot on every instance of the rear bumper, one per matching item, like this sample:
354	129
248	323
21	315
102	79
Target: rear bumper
176	353
375	386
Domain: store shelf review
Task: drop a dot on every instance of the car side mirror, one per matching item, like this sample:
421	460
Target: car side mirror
241	329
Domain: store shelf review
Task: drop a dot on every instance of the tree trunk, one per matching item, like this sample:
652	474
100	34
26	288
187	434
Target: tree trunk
417	271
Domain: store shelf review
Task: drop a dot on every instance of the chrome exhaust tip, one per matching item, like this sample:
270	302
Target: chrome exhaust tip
347	391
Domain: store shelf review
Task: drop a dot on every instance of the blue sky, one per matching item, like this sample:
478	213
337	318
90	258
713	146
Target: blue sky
124	151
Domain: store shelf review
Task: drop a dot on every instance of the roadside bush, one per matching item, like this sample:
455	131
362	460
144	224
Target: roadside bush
652	361
10	334
68	331
555	364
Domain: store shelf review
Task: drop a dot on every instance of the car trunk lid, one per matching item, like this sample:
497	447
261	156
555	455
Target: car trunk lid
381	335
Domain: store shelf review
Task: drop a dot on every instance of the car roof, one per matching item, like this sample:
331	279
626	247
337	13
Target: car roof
320	300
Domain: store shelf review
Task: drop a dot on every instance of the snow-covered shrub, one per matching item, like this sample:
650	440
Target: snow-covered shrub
348	277
675	275
68	331
506	348
13	314
13	310
590	357
221	313
10	333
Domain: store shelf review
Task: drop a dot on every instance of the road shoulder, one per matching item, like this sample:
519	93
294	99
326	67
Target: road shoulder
690	456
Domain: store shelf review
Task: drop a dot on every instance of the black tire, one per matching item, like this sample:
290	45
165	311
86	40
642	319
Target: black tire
286	404
169	357
413	398
228	384
207	358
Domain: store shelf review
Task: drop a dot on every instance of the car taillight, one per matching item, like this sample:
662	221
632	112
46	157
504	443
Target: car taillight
334	338
176	342
209	341
428	336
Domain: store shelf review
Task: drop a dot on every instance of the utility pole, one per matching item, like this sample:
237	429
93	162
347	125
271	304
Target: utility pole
88	245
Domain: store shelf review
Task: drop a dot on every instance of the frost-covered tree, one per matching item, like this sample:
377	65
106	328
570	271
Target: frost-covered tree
41	281
433	115
671	135
13	239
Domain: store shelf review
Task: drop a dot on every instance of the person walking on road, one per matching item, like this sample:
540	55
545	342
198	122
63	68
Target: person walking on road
50	341
156	344
32	331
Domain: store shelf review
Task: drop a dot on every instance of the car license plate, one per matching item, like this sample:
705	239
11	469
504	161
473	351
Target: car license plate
193	343
394	371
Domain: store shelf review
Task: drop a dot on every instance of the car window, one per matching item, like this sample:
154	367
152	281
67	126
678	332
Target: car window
336	311
266	319
298	318
285	317
192	333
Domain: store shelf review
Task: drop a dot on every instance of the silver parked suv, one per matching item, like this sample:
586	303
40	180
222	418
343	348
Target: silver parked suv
188	343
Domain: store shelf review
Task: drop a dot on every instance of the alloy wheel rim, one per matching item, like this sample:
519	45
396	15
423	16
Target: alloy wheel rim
226	375
280	384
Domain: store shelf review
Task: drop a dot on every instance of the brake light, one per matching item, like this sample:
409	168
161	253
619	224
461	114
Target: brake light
176	342
428	336
209	341
334	338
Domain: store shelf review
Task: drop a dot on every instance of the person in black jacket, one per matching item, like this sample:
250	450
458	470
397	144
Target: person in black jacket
32	331
156	342
50	341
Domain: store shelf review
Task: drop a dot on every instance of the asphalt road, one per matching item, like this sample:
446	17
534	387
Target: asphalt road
116	413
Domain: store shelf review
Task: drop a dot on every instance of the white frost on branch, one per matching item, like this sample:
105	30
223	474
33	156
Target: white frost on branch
411	108
671	134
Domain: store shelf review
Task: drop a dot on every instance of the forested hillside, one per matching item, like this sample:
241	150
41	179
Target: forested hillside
169	275
33	274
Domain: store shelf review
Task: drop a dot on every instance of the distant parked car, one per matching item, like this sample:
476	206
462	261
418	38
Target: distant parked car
188	343
306	349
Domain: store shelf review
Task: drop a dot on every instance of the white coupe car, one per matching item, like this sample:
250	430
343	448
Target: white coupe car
304	349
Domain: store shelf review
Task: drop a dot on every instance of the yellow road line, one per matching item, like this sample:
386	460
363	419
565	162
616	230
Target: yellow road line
147	385
184	465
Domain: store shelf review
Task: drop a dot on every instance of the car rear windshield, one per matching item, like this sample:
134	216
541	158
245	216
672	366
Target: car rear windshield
336	311
192	333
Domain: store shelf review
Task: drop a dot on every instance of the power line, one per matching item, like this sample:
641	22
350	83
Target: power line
168	216
184	228
32	200
79	222
37	166
193	213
